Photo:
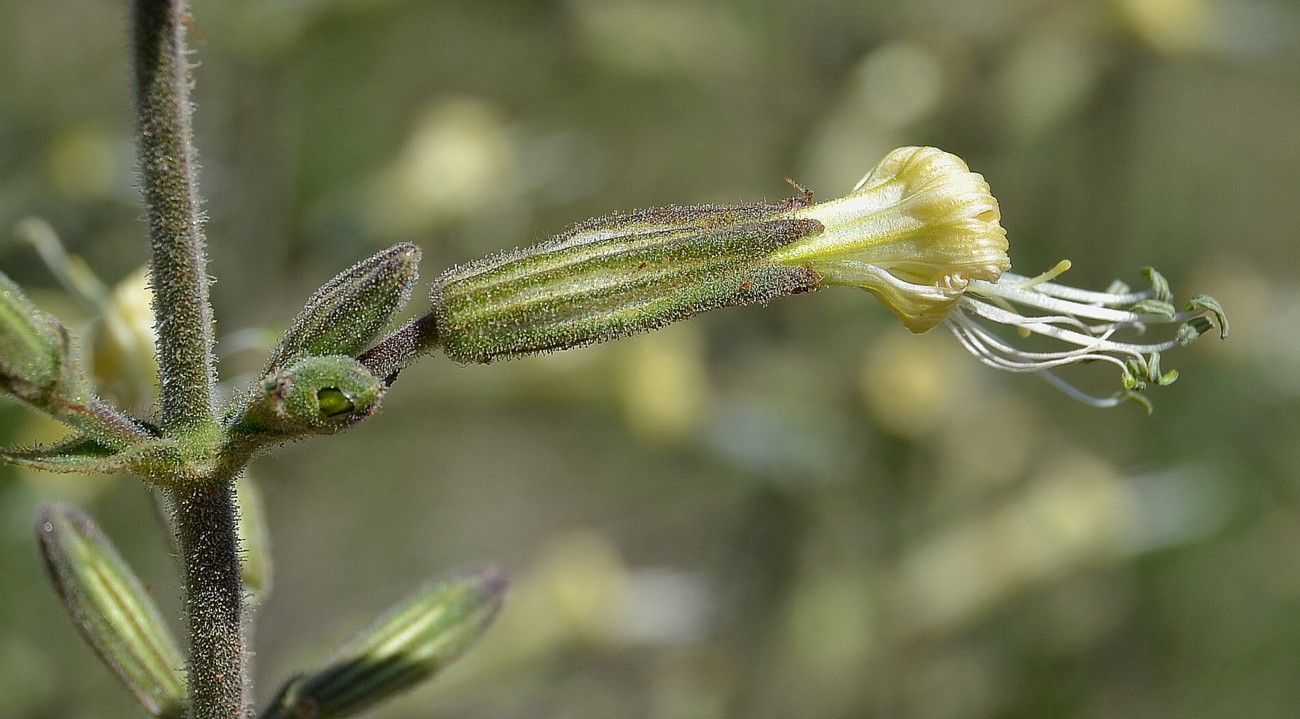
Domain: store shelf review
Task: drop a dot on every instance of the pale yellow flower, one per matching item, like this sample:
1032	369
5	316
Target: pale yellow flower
923	233
914	232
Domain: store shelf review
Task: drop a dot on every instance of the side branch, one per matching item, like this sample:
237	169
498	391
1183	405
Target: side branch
177	259
399	349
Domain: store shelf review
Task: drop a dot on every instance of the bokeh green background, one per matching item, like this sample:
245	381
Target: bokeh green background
799	510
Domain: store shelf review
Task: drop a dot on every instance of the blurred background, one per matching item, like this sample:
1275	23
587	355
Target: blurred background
799	510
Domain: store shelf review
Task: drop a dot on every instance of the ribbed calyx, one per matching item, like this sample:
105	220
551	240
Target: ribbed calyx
616	276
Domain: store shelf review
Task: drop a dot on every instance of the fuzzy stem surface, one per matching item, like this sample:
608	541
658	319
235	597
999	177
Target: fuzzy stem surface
399	349
205	521
178	259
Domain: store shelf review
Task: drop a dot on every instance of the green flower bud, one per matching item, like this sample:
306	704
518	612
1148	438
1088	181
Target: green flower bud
111	609
415	641
350	311
616	276
33	347
315	395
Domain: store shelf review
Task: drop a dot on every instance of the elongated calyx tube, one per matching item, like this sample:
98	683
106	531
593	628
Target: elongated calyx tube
618	275
111	609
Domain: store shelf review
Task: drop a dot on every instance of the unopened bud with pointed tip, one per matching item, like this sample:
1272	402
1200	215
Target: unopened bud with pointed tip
415	641
111	609
345	315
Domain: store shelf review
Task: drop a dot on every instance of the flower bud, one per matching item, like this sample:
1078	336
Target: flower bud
315	395
33	346
348	313
616	276
415	641
111	609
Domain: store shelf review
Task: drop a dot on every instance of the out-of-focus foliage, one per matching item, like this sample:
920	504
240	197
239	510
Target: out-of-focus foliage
801	510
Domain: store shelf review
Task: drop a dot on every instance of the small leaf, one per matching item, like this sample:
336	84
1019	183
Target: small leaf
348	313
152	459
74	455
111	609
416	640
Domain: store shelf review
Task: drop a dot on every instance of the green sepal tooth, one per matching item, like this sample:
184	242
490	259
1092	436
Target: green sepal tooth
112	610
346	315
616	276
410	645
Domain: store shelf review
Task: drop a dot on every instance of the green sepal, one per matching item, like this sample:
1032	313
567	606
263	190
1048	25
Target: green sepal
111	609
409	646
315	395
615	276
346	315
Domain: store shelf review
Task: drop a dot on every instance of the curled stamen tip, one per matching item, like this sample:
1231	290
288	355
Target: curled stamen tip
1137	397
1159	285
1154	307
1206	303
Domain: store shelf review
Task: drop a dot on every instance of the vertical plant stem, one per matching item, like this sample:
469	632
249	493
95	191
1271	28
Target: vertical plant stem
178	259
209	553
203	507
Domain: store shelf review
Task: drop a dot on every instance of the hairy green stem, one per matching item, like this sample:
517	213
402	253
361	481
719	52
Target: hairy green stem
204	511
178	259
205	521
399	349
